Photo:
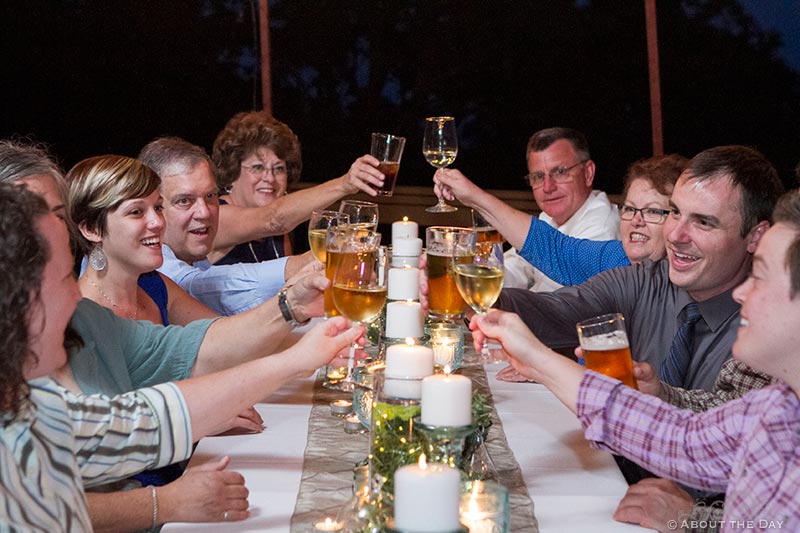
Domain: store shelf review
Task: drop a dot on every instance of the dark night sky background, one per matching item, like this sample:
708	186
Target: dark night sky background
92	76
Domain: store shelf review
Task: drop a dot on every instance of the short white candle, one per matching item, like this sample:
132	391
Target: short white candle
408	360
403	283
404	319
426	498
404	229
446	401
328	525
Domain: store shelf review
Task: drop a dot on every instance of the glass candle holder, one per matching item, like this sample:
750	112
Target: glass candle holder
484	507
364	377
447	341
444	445
394	441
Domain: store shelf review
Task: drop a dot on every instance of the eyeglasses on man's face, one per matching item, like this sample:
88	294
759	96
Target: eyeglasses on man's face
559	174
651	215
258	170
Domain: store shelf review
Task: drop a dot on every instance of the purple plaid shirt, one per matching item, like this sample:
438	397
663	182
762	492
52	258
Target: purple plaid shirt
748	447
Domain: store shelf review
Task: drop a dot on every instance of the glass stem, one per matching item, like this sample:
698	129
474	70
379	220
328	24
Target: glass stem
485	350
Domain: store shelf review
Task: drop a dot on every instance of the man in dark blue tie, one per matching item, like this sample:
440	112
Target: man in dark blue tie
680	314
719	209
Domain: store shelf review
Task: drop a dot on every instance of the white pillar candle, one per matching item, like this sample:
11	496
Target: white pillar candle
406	252
403	283
446	400
426	498
404	229
404	319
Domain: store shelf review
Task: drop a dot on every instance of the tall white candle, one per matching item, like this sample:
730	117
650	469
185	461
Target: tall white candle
426	498
404	319
404	229
404	283
446	400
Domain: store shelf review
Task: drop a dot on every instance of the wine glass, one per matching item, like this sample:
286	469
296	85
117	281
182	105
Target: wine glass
362	214
440	146
359	289
479	278
318	226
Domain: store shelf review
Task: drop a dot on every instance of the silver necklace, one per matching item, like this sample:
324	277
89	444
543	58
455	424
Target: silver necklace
112	302
274	249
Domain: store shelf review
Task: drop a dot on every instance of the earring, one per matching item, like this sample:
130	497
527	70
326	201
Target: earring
97	259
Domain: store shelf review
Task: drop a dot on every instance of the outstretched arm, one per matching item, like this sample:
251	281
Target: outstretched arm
511	223
242	224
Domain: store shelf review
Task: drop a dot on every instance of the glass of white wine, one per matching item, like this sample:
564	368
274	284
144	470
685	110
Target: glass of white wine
362	214
318	226
359	290
440	147
480	279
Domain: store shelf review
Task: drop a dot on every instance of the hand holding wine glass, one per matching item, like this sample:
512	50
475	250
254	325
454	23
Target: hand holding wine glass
440	147
480	279
359	289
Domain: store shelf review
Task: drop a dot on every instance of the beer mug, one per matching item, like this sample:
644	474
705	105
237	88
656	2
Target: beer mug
605	347
338	239
444	300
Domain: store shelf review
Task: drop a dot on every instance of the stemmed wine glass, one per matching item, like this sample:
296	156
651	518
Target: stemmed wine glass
479	278
362	214
440	146
318	226
359	289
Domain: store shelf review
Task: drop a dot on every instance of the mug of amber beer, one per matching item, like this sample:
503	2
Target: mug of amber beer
348	237
444	300
605	347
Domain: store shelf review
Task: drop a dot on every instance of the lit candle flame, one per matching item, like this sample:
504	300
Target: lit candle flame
447	370
405	219
473	503
423	463
410	341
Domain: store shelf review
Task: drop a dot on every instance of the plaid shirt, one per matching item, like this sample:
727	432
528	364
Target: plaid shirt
735	379
748	447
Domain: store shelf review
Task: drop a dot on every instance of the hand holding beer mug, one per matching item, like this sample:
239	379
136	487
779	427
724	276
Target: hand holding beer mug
605	347
388	149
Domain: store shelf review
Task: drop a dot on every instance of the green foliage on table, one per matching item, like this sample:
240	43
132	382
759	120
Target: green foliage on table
395	442
481	412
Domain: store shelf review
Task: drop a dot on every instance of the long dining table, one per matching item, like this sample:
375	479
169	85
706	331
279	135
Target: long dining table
573	487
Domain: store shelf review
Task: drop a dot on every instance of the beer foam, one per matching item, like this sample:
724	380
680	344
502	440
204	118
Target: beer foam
605	341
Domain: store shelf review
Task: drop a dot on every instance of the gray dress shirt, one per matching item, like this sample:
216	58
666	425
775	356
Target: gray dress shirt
652	307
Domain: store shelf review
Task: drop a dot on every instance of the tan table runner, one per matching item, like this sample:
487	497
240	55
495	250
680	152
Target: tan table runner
331	454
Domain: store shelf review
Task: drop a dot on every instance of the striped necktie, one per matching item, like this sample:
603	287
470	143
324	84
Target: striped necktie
674	368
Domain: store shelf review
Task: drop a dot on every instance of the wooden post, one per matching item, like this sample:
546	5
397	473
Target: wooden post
654	75
266	72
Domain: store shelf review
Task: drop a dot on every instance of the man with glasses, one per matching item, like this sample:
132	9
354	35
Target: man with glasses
560	173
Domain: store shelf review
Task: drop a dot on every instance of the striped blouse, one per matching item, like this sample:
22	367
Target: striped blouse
61	442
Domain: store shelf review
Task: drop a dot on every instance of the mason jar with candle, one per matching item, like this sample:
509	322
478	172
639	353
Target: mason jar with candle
447	341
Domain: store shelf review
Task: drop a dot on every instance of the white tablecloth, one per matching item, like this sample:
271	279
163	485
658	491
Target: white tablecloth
574	488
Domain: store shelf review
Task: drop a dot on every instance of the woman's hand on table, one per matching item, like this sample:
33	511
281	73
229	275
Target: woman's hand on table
509	374
363	176
248	421
205	493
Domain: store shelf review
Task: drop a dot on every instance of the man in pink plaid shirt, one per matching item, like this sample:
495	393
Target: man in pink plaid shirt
749	447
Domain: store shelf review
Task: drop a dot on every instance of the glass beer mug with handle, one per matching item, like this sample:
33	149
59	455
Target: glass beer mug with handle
444	300
605	347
